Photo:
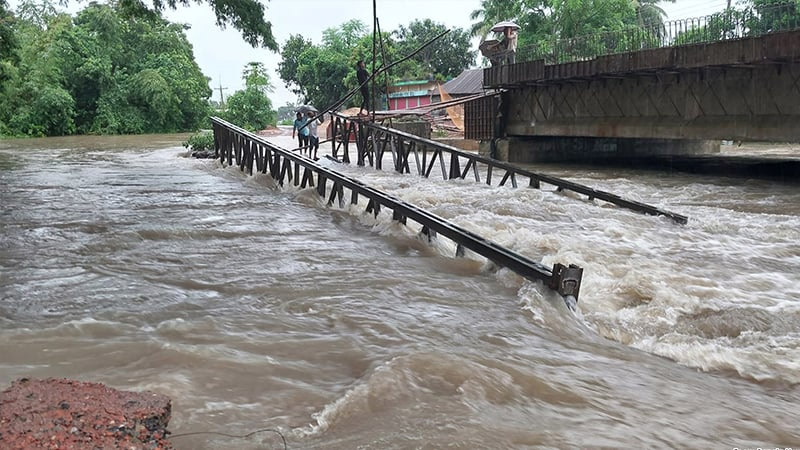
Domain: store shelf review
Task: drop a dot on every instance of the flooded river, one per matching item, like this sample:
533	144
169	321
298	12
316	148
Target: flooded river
124	262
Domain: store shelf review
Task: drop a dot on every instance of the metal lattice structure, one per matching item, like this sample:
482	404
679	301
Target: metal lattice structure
252	153
373	141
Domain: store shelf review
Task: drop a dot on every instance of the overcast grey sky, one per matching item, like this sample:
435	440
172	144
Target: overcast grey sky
222	54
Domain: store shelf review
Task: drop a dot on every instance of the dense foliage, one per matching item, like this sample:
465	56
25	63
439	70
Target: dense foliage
251	108
247	16
321	74
754	18
99	72
8	42
203	140
445	58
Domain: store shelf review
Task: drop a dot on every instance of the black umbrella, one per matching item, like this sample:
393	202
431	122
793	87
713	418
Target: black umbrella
306	108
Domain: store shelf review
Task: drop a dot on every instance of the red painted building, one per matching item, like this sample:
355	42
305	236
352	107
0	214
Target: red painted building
410	94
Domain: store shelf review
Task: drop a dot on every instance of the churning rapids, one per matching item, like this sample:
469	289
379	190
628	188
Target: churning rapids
124	262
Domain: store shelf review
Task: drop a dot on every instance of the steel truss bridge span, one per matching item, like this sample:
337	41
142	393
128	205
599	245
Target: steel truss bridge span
234	145
372	141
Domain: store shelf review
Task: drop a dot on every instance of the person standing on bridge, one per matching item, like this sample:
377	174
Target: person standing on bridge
301	129
363	76
313	138
510	41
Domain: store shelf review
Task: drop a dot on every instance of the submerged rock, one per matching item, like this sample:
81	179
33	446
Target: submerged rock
61	413
204	154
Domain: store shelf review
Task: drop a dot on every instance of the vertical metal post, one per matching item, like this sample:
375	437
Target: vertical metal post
374	51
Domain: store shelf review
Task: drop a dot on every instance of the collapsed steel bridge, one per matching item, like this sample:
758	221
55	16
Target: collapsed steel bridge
234	145
373	140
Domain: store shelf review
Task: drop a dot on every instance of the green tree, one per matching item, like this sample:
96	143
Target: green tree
494	11
562	30
649	14
769	16
715	27
251	108
247	16
290	56
8	54
445	58
286	113
319	74
256	76
322	74
757	17
574	18
101	72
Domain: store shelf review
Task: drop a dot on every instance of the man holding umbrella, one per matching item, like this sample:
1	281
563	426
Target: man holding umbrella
509	30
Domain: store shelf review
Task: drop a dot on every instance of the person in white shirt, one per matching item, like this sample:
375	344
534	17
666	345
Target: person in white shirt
313	137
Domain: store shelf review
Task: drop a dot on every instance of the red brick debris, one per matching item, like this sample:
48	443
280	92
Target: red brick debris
69	414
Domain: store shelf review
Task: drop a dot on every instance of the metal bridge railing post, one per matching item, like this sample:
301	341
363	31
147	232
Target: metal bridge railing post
567	282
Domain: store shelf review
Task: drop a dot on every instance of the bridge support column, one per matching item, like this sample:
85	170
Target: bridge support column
588	149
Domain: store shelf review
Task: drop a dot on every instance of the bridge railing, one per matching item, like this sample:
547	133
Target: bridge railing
722	26
427	157
236	146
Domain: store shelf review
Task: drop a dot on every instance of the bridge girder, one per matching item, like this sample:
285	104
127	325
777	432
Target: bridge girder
758	102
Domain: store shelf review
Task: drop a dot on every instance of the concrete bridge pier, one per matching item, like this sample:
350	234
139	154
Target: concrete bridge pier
533	149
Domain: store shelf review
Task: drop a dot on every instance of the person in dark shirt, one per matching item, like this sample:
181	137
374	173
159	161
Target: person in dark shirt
301	129
361	73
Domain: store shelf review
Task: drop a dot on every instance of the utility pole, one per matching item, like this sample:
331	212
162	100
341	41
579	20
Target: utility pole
374	53
221	98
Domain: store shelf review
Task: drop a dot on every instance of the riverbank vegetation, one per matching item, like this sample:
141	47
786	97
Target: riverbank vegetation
110	70
100	72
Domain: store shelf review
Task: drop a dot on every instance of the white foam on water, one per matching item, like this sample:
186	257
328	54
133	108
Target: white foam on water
642	274
768	358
